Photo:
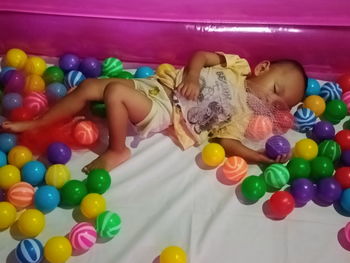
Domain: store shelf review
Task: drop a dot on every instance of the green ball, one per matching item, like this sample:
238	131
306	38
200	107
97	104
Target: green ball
298	168
53	74
111	67
253	188
321	167
330	149
98	181
108	224
125	75
73	192
276	175
98	108
336	110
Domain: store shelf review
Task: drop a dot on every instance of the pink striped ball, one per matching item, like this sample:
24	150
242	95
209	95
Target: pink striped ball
21	194
259	127
86	132
36	102
235	168
83	236
346	98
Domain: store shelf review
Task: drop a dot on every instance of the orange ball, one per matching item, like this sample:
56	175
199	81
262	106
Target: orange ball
21	194
316	104
34	83
86	132
259	127
235	168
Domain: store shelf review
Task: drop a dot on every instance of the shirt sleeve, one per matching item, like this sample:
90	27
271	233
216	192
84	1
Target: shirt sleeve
236	63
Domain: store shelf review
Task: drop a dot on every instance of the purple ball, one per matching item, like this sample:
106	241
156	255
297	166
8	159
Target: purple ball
329	190
345	157
277	145
90	67
58	153
69	62
303	190
3	72
14	81
11	101
2	195
323	130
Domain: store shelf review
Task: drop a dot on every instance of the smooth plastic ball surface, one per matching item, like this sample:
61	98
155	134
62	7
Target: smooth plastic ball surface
34	83
11	101
316	104
9	176
21	114
16	58
33	172
345	158
235	168
343	138
7	141
253	188
35	65
31	222
13	81
58	153
213	154
108	224
330	149
281	204
73	192
306	149
298	168
3	159
57	175
46	198
276	175
277	145
69	62
144	72
329	190
55	91
36	102
303	190
345	200
323	130
57	249
112	67
21	194
342	175
53	74
321	167
336	110
29	251
19	156
90	67
344	82
313	87
92	205
86	132
173	254
98	181
7	215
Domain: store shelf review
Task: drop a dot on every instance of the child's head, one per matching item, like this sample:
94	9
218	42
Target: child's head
281	82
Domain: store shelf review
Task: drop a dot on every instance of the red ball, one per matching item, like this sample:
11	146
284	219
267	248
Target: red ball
283	121
281	204
21	114
344	82
342	175
86	132
343	139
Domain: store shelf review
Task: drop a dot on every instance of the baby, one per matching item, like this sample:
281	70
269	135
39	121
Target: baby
206	99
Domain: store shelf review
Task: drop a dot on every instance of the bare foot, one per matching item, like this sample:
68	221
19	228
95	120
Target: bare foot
108	160
18	126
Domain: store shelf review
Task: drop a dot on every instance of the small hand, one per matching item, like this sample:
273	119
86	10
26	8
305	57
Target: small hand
189	88
262	158
283	158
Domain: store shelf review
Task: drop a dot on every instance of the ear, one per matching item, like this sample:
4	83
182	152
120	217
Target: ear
262	67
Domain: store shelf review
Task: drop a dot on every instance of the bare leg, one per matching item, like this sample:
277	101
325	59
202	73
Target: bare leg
123	104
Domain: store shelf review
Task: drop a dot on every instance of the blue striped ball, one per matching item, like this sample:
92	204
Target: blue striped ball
29	251
74	78
331	91
304	119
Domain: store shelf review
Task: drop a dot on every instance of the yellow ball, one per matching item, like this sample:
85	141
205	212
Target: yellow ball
57	249
306	148
57	175
34	83
7	215
35	65
164	70
213	154
316	104
16	58
9	175
31	222
19	156
92	205
173	255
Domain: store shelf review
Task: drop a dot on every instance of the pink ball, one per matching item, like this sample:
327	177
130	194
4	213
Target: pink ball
83	236
21	194
259	127
86	132
283	121
36	102
346	98
235	168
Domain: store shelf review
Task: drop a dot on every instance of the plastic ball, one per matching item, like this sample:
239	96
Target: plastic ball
69	62
298	168
90	67
125	75
336	110
235	168
57	249
276	175
344	82
330	149
111	67
33	172
57	175
306	149
108	224
303	190
21	194
315	103
19	156
98	108
163	70
13	81
331	91
313	87
21	114
7	141
3	159
53	74
55	91
7	215
46	198
73	192
9	176
29	251
16	58
3	71
86	132
323	130
346	99
253	188
277	145
35	65
342	175
321	167
173	255
92	205
281	204
213	154
31	222
82	236
58	153
98	181
343	139
305	119
345	157
34	83
259	127
74	78
144	72
282	122
345	200
328	190
36	102
11	101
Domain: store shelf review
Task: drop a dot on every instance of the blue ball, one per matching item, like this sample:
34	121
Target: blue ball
7	141
29	251
55	91
304	120
345	200
331	91
46	198
3	71
11	101
33	172
3	158
313	87
144	72
74	78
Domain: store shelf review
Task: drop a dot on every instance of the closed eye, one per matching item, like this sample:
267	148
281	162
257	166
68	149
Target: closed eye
275	89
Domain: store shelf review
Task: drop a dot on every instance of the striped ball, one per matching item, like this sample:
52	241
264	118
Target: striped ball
86	132
235	168
259	127
83	236
74	78
346	98
21	194
305	119
57	175
108	224
29	251
111	67
36	102
330	149
331	91
276	175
